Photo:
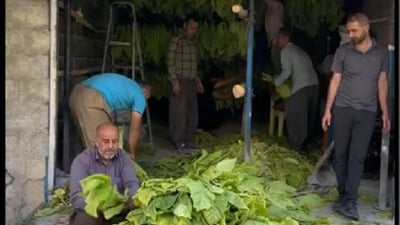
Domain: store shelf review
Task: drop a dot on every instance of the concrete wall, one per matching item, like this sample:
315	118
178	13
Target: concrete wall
27	105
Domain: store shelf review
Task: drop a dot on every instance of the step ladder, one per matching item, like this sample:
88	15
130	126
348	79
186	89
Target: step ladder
136	65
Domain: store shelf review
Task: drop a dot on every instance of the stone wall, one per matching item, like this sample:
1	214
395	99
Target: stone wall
27	105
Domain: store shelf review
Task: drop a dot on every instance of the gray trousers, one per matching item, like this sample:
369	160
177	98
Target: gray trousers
352	135
302	113
183	113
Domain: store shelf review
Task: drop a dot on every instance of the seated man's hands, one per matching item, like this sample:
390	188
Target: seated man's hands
129	204
267	77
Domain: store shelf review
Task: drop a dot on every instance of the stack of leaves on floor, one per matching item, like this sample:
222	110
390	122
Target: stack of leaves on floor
273	161
59	202
217	191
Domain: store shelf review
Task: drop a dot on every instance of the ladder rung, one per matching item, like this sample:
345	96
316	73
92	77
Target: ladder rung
119	43
126	67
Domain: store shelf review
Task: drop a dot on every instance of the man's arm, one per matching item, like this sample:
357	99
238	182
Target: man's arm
383	100
134	132
78	172
332	90
286	65
129	178
171	59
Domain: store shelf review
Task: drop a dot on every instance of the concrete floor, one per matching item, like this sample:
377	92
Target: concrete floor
369	215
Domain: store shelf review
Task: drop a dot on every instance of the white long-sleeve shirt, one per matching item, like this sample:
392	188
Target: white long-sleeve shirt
297	66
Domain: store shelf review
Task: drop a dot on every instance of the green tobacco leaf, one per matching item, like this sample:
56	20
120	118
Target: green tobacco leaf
300	215
254	222
145	195
251	185
202	198
183	207
235	200
181	184
94	181
114	199
165	219
311	201
256	205
59	192
280	201
213	188
112	211
92	204
181	221
280	188
140	172
289	221
225	165
210	173
212	215
96	199
230	179
221	203
136	216
164	202
276	213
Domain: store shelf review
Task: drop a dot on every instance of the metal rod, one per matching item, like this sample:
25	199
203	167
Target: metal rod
249	85
385	143
67	76
51	160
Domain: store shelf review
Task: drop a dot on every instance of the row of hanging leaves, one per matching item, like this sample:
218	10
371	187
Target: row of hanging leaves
221	37
308	15
179	8
227	43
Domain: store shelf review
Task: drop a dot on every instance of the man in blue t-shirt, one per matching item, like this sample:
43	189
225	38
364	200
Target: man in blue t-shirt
94	101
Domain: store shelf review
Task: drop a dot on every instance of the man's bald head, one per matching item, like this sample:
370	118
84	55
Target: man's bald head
107	140
106	126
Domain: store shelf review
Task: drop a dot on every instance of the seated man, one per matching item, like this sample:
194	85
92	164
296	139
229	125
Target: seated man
105	157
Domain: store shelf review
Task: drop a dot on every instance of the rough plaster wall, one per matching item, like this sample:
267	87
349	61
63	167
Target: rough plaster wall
383	30
27	105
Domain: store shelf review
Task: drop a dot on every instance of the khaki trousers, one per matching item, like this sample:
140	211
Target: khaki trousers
88	110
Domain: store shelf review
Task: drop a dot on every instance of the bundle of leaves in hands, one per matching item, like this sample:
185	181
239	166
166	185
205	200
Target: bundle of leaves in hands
101	196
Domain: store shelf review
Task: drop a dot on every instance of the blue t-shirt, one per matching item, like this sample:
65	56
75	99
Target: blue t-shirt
118	91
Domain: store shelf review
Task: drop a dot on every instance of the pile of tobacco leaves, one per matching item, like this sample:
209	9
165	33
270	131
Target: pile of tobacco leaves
216	186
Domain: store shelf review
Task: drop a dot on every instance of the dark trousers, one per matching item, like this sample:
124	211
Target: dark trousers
302	111
183	113
352	134
81	218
